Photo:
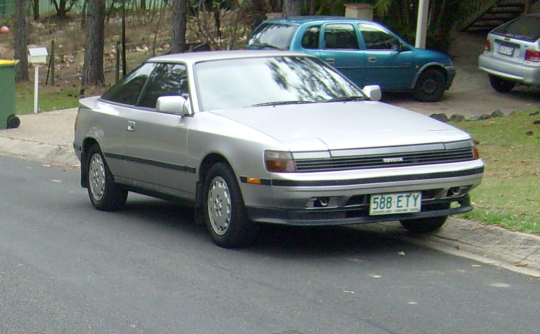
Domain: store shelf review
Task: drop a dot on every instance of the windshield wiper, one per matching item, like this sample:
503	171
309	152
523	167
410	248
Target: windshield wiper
276	103
347	98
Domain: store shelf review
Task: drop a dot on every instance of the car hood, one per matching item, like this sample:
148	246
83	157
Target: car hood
343	125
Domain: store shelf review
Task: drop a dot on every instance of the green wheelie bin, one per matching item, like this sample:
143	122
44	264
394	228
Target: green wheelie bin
8	95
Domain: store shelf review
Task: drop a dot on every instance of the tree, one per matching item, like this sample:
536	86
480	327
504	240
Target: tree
63	7
92	74
292	8
257	13
21	40
178	38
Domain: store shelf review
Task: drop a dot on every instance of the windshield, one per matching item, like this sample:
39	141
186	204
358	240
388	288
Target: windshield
272	36
240	83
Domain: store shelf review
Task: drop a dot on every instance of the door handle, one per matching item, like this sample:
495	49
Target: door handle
372	59
131	126
330	60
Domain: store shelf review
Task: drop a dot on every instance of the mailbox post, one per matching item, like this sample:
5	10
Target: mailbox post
37	56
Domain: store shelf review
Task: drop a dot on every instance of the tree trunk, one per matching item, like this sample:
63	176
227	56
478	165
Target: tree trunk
95	39
292	8
178	38
21	40
257	13
36	10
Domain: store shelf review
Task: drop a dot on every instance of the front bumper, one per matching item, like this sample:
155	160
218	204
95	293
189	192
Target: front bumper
358	215
293	202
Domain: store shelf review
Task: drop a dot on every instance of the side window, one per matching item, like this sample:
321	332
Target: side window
128	89
340	36
310	40
166	80
376	38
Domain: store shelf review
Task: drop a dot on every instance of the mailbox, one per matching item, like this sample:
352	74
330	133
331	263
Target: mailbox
37	55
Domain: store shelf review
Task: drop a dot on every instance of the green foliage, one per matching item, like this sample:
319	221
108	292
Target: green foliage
510	191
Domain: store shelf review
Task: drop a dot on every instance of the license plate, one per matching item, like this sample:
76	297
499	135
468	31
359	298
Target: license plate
388	204
506	50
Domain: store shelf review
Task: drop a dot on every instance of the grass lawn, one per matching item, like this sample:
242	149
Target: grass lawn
510	193
50	98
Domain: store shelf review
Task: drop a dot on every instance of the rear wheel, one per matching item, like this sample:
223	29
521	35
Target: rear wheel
424	225
224	211
430	86
105	194
501	85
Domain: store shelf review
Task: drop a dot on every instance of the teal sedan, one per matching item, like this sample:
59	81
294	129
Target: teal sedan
364	51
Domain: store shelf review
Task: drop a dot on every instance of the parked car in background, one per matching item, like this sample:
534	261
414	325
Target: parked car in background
512	54
251	137
365	52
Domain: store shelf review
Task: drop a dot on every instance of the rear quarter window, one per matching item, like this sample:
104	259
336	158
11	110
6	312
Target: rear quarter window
273	35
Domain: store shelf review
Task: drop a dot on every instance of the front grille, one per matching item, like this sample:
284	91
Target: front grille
384	160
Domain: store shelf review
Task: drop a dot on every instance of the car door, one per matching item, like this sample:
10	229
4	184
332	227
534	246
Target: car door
114	106
340	48
155	142
388	64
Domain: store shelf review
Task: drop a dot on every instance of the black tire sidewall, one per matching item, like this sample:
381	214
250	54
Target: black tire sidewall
241	231
431	74
114	197
501	85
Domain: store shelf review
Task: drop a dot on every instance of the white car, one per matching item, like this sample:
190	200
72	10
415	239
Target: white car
277	137
512	54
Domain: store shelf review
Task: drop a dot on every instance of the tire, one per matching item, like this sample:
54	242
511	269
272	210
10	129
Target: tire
424	225
430	86
224	211
13	122
501	85
105	194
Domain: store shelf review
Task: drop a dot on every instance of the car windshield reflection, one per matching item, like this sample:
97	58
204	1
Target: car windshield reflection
240	83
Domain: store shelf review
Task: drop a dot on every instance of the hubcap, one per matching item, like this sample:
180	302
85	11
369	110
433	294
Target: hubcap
430	86
219	205
96	177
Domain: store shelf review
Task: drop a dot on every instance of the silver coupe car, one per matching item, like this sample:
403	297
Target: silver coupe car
250	137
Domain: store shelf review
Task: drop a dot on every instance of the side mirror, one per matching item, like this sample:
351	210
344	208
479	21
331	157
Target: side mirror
373	92
403	47
173	105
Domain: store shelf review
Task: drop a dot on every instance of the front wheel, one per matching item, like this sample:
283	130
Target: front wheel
105	194
501	85
430	86
224	211
424	225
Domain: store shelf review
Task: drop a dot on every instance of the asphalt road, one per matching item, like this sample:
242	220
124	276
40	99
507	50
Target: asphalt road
67	268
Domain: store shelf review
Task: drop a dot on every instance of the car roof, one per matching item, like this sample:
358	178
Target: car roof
298	20
193	57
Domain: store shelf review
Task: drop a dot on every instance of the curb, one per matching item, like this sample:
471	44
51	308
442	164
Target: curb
45	153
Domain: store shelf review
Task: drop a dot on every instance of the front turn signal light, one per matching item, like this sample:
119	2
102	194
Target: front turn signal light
475	152
279	162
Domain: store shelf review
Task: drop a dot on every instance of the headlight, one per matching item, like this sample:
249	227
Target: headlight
279	162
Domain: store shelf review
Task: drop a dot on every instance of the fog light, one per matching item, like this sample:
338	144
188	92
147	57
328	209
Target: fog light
322	202
457	191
